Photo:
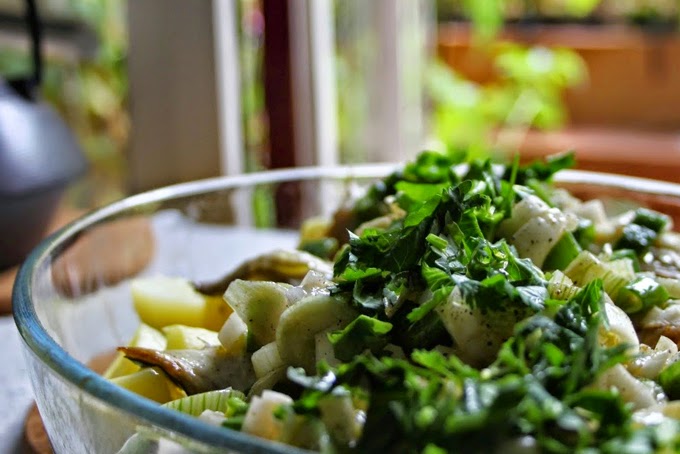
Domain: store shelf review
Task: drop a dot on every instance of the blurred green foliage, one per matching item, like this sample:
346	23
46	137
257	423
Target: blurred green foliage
529	82
486	16
526	91
96	105
90	94
639	12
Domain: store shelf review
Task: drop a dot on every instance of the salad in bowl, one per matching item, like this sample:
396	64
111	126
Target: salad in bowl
445	305
453	306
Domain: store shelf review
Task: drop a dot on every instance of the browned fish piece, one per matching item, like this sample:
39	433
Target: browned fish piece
277	266
198	371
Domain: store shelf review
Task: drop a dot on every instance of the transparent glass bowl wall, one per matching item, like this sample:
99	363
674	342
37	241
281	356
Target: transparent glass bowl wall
200	231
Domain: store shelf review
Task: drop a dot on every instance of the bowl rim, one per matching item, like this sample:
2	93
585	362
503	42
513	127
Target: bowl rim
63	365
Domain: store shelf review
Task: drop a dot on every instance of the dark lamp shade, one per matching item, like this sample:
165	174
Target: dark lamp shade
39	156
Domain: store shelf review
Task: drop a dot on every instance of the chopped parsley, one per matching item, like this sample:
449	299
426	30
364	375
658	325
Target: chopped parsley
538	391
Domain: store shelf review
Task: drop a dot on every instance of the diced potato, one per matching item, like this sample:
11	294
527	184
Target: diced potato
314	229
152	383
121	366
145	337
234	335
260	420
161	301
216	312
266	359
182	337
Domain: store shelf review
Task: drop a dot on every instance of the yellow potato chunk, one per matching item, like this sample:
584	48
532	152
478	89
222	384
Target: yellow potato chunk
314	229
146	337
162	301
217	311
151	383
181	337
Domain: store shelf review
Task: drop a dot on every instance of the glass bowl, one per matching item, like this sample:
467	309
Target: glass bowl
72	302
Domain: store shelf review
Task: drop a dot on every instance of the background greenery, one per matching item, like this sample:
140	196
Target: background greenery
91	92
530	82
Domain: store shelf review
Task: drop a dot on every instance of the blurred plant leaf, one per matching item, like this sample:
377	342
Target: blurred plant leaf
487	17
527	92
581	8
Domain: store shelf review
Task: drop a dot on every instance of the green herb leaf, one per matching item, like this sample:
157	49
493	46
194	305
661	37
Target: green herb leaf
364	333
